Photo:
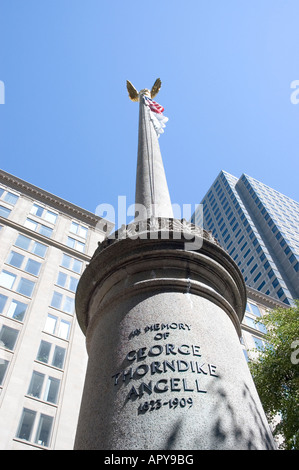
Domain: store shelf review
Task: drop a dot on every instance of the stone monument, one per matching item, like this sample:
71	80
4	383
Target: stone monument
161	305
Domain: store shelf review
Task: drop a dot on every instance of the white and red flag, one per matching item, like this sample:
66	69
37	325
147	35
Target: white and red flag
156	114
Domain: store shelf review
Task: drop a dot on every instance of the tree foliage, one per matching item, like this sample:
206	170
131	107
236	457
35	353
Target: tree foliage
276	373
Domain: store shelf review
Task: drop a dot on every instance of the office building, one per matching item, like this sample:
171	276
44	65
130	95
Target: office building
258	227
46	243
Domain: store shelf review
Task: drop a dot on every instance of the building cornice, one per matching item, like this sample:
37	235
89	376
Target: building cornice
264	299
56	202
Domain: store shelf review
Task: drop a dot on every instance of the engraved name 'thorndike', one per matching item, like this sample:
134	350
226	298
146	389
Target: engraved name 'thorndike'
156	368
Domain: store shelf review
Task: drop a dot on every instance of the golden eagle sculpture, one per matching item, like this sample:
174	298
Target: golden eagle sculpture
134	94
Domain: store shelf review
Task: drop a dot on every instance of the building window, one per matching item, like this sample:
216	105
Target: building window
57	327
39	249
3	369
250	260
51	322
27	424
7	279
36	384
44	430
280	292
45	354
4	212
72	263
78	229
257	277
49	392
10	198
39	228
23	242
61	279
245	355
68	305
25	287
47	215
58	357
259	344
31	224
243	246
32	267
3	300
64	329
256	325
56	300
34	247
8	337
72	283
50	217
72	243
16	259
17	310
66	281
46	231
250	322
63	302
261	285
252	308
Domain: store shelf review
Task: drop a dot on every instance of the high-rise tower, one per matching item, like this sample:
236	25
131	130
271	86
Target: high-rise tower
258	227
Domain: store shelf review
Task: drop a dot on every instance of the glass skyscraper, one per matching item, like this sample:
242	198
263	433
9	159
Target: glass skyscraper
258	227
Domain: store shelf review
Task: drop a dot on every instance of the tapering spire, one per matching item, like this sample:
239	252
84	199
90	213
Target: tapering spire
151	185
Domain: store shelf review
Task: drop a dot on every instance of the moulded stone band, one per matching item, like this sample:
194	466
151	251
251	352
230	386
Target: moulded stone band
123	264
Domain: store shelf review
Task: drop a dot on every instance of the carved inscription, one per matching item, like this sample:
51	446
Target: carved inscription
161	368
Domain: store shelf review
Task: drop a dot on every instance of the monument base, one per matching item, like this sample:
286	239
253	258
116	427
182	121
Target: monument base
166	370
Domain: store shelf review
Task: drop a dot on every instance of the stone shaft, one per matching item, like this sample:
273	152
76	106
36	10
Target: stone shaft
151	185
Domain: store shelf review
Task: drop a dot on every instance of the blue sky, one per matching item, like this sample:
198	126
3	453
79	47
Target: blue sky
68	126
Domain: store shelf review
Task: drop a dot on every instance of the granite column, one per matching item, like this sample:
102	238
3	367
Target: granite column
161	305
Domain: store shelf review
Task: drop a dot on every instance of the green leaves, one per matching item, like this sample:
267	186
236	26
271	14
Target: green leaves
276	373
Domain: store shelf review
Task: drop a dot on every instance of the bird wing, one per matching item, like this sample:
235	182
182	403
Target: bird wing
133	93
156	88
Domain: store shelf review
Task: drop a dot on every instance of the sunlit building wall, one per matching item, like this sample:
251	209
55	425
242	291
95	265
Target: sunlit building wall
45	244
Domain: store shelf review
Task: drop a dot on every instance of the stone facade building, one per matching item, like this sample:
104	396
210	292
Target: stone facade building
45	245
